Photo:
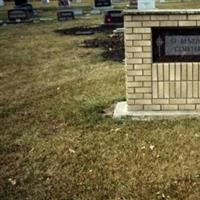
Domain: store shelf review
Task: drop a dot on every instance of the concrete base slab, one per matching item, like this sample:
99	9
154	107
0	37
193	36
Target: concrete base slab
100	10
105	8
78	12
121	111
117	1
95	12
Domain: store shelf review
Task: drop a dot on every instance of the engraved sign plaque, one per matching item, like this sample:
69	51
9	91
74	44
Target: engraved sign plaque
176	44
182	45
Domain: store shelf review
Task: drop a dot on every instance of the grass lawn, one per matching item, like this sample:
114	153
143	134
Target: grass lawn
55	143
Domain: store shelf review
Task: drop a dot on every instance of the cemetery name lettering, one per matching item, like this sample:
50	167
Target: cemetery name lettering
181	45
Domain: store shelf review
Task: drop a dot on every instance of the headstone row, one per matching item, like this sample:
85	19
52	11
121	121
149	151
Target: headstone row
22	12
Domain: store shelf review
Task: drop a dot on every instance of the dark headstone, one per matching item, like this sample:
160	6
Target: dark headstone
176	44
102	3
113	17
64	3
28	7
19	15
133	4
64	15
20	2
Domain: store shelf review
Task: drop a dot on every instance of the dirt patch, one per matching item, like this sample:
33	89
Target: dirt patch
113	46
86	30
108	112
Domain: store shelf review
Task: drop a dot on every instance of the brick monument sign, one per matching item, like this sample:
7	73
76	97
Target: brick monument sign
162	50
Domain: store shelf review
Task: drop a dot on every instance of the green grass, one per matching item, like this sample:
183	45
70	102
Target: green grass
176	4
55	143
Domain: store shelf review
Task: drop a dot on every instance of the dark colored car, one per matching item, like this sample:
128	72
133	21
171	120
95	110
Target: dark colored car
114	18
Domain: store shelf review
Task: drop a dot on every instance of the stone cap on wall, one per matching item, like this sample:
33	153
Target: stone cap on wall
161	12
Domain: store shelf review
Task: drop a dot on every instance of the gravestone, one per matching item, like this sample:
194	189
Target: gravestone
64	15
20	2
22	12
102	3
78	11
29	8
63	4
65	11
1	3
19	15
23	4
146	4
133	4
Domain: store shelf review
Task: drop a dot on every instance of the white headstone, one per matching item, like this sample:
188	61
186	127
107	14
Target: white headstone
162	1
146	4
45	1
1	3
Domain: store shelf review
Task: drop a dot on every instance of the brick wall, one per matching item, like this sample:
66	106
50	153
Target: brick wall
158	86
